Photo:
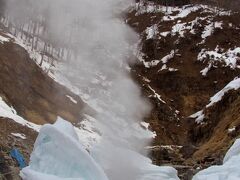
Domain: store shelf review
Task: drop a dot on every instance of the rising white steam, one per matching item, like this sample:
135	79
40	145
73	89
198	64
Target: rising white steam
93	44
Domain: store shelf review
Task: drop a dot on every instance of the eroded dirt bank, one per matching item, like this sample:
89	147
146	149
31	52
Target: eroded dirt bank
36	97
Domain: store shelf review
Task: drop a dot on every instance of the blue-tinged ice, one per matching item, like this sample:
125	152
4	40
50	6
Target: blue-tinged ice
58	155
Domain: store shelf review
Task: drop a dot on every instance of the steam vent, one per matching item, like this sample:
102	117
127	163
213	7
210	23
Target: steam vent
120	90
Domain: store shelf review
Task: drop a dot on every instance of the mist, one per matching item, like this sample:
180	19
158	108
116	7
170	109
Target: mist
93	44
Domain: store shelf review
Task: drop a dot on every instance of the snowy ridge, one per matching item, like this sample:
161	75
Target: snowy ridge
233	85
85	129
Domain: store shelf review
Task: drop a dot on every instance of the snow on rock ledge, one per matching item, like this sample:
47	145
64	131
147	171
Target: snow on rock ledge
230	170
233	85
59	155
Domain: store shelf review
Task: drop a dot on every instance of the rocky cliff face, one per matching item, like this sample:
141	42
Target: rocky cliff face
187	55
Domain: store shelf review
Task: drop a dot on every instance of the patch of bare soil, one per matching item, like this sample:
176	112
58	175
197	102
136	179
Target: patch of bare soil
33	94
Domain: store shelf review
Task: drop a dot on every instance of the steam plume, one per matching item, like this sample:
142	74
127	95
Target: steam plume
94	46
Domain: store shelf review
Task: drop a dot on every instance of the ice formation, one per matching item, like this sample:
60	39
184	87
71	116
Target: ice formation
230	170
59	155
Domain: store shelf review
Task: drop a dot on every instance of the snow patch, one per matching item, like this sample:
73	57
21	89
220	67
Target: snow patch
152	31
233	85
198	116
183	12
19	135
208	30
206	69
230	58
140	57
88	135
156	95
3	39
166	58
230	130
10	112
71	99
145	125
164	34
